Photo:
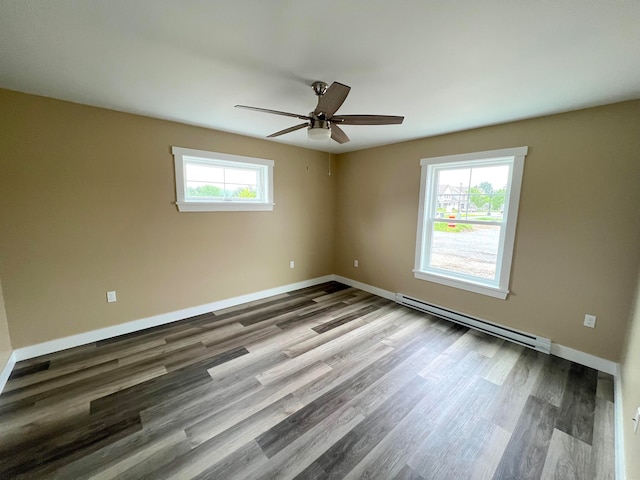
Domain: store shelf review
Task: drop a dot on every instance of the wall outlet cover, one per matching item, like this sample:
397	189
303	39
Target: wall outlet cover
590	321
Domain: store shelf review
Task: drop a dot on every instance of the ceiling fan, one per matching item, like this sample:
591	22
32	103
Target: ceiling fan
322	122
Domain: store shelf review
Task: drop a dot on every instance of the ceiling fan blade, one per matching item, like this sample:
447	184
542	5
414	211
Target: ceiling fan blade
338	134
275	112
288	130
333	98
367	119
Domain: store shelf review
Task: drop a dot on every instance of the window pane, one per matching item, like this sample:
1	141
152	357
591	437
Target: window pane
476	193
200	189
466	249
204	173
242	191
241	176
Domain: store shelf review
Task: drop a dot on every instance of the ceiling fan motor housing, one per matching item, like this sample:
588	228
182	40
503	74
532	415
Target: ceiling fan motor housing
318	121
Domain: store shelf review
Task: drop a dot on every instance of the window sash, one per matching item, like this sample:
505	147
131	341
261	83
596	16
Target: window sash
260	172
428	264
191	203
429	196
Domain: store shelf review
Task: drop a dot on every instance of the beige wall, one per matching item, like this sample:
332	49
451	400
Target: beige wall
630	380
5	339
578	226
86	198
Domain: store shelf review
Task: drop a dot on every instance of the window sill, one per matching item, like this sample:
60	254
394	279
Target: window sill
224	207
461	284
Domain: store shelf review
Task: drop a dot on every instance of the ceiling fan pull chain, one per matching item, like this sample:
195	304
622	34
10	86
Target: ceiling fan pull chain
329	140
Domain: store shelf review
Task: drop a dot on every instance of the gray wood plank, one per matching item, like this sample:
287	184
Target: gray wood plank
144	442
165	386
578	406
552	380
567	459
341	320
462	444
296	456
282	434
199	460
525	454
407	473
355	445
604	389
507	405
43	454
391	455
602	456
235	413
22	371
249	458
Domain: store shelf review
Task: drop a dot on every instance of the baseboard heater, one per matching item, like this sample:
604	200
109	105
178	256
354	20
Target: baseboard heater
522	338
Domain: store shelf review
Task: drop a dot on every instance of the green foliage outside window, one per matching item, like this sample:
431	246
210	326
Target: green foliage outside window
205	191
457	228
484	197
245	192
211	191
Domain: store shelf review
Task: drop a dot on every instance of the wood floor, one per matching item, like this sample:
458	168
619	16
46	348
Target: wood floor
324	382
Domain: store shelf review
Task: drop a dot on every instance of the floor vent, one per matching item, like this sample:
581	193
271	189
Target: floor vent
522	338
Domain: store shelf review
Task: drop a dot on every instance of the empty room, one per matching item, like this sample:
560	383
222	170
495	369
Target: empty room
289	240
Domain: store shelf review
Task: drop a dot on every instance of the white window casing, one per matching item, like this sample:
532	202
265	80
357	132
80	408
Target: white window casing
428	215
224	165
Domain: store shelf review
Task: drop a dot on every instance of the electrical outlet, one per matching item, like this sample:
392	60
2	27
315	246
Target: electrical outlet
111	296
292	264
590	321
636	419
355	263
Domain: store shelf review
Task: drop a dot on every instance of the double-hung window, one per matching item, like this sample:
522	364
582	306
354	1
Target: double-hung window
210	181
467	219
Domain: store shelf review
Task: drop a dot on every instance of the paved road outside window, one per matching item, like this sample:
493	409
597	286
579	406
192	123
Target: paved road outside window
472	253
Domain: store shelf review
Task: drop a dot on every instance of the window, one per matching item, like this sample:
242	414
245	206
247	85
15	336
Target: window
210	181
467	219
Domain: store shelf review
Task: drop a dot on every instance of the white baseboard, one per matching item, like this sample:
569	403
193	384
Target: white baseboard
586	359
59	344
367	288
6	371
618	425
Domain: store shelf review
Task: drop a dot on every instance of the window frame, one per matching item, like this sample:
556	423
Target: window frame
498	288
183	156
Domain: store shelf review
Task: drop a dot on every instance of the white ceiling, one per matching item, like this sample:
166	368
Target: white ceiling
445	65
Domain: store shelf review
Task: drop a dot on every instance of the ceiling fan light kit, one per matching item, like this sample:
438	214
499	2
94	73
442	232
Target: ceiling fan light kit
319	133
321	123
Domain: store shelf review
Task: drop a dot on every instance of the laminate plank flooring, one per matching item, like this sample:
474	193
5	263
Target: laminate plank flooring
326	382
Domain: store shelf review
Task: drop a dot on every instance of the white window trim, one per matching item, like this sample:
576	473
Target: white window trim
180	158
500	289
